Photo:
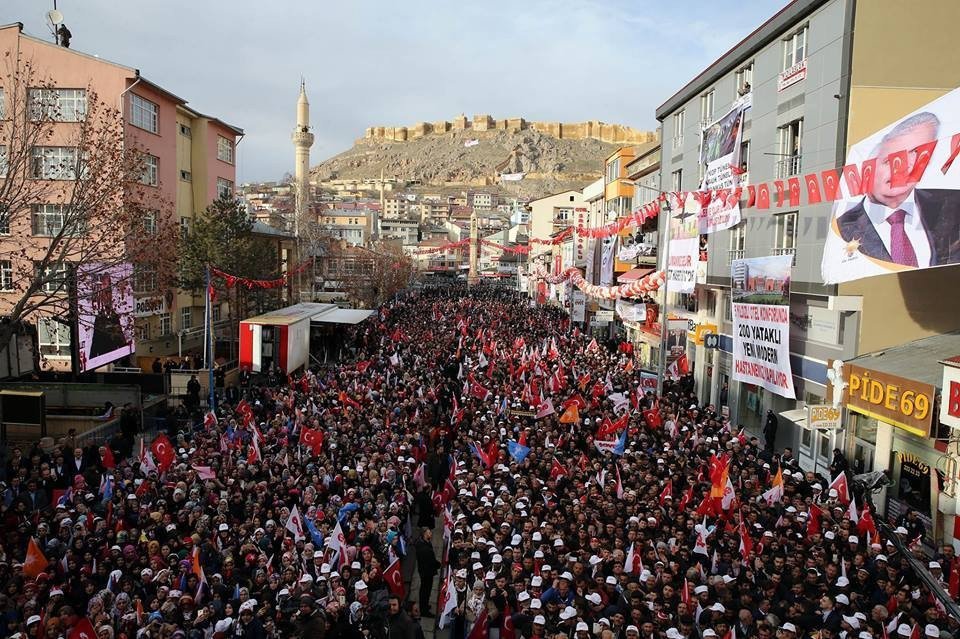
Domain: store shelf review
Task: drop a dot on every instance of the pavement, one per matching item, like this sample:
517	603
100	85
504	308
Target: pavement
412	580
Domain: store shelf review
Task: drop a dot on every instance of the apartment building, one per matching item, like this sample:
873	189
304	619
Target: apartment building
189	161
819	76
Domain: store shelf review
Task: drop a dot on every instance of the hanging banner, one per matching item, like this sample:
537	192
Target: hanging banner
591	258
631	312
761	323
899	206
105	313
720	156
578	305
684	248
606	260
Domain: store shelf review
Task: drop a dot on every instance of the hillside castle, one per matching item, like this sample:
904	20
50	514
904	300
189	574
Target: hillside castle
610	133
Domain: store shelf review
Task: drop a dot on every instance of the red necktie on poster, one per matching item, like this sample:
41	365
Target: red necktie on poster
901	250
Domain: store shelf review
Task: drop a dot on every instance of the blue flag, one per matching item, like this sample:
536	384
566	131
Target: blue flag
314	533
346	510
517	451
621	445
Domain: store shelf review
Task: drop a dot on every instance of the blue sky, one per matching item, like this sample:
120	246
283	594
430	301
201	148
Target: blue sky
383	62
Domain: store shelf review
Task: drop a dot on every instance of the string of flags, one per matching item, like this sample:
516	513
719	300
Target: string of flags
636	288
251	284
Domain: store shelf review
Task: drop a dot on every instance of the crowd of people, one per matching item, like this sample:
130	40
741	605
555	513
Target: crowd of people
571	502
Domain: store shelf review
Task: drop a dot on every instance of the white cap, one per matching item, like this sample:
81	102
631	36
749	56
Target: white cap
843	599
540	620
789	627
853	539
930	630
581	626
718	607
223	528
33	619
700	589
536	581
523	596
853	621
709	632
568	613
594	598
566	575
360	585
536	604
611	580
934	564
842	582
904	630
632	628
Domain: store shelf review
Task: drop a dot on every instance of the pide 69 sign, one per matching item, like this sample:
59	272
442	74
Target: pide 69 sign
905	403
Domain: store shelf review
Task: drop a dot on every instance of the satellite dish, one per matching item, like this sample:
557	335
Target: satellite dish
55	16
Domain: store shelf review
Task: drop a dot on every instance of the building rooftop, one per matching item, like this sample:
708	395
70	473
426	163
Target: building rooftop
916	360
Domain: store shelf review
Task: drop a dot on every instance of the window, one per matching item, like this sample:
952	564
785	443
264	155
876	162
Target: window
53	163
744	79
186	318
166	328
186	176
144	279
224	188
3	160
613	171
790	144
706	107
795	48
49	220
184	227
737	239
53	337
676	180
678	123
142	327
149	223
224	149
216	313
151	170
786	235
185	131
4	220
144	114
745	162
54	279
59	105
6	275
3	111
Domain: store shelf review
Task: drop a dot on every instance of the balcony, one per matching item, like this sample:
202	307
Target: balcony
734	254
787	251
788	166
677	142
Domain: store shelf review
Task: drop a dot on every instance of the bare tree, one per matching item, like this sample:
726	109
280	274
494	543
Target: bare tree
73	196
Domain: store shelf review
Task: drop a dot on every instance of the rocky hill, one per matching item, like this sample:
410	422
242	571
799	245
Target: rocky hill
550	163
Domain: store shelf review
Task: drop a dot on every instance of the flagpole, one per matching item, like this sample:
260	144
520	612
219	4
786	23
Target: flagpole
662	360
208	342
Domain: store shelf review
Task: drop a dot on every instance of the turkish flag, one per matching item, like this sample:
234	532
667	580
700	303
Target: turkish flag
83	630
859	179
363	366
557	470
666	492
480	627
831	184
813	522
813	188
508	631
793	190
162	450
653	418
763	196
394	578
575	400
108	461
778	186
313	438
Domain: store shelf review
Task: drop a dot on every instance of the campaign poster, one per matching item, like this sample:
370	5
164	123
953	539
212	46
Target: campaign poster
105	313
720	156
899	204
761	323
631	312
684	248
607	254
676	338
578	305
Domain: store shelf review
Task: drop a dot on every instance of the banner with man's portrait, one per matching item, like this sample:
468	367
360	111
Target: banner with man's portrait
720	155
899	205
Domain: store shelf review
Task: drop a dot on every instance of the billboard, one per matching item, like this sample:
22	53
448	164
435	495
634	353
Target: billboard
105	312
684	248
899	204
761	323
720	157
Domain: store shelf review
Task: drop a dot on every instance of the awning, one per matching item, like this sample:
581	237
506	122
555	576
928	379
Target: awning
798	416
634	274
342	316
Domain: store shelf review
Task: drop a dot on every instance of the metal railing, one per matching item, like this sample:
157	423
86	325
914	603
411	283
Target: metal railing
677	142
787	251
789	166
734	254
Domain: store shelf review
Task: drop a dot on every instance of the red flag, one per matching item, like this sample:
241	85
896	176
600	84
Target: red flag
955	577
763	196
480	627
954	151
83	630
666	492
162	451
394	578
746	543
653	418
557	469
866	525
363	366
813	521
685	592
575	400
108	461
843	490
793	190
509	631
813	188
686	499
313	438
859	179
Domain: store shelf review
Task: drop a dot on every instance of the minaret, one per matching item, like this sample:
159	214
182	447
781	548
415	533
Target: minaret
474	249
302	141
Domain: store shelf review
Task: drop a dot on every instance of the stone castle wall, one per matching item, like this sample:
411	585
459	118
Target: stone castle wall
610	133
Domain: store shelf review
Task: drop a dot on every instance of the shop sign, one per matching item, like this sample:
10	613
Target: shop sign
823	416
791	76
603	317
147	306
905	403
950	402
701	330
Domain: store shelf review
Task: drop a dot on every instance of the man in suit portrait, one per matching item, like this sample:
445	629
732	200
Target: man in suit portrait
901	223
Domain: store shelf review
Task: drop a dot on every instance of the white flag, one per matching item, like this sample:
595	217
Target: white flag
448	600
295	525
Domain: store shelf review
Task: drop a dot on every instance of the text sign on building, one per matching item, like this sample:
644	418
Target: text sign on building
603	317
950	401
791	76
823	416
905	403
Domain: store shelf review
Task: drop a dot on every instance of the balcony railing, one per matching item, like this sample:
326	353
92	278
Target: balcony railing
678	142
789	166
734	254
787	251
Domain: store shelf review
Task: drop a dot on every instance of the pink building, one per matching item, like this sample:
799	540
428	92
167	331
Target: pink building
190	160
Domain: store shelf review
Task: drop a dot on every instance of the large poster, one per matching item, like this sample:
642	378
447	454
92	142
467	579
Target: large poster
720	156
607	253
684	248
761	323
899	208
105	311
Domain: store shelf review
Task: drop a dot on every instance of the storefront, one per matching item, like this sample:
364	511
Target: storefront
891	425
